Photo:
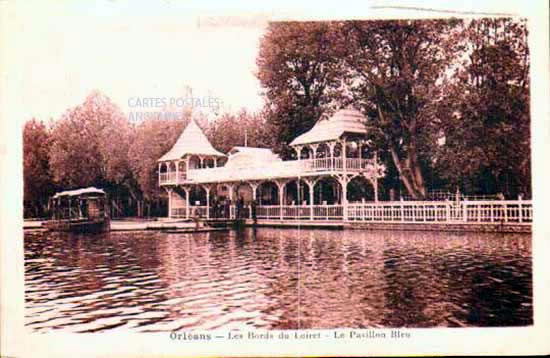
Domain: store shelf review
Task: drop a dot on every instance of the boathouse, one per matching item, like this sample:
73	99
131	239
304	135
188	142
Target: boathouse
332	178
328	157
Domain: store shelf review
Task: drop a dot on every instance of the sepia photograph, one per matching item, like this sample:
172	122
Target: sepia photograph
227	177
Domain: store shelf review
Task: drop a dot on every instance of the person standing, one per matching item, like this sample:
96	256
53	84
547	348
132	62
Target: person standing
253	205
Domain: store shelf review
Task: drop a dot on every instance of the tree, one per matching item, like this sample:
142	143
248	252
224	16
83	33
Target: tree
38	183
229	130
395	74
487	132
299	70
152	139
90	145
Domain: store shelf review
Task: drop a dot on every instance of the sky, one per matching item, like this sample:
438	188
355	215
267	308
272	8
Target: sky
127	54
134	50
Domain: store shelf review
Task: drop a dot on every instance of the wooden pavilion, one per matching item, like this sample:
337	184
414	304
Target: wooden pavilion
315	185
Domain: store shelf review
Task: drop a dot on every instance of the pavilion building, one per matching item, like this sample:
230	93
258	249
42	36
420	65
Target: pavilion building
329	159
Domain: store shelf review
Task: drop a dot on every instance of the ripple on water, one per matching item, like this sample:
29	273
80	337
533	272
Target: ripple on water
276	279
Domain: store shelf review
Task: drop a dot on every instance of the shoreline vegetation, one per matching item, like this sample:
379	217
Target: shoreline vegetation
447	103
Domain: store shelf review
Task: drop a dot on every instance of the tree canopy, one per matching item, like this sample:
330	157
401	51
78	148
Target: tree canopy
446	101
431	90
37	179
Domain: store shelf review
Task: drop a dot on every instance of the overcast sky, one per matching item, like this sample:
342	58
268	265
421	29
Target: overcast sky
124	52
146	49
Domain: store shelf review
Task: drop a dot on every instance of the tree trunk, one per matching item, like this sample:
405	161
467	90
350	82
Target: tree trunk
411	175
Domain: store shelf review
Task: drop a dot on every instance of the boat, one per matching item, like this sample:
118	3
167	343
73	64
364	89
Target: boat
82	210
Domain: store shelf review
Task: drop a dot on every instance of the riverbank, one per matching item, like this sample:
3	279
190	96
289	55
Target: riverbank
135	224
182	225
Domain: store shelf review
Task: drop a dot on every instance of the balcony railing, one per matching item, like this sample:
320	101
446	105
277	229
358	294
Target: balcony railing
482	212
291	168
172	177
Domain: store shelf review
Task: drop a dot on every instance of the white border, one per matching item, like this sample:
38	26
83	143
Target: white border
16	341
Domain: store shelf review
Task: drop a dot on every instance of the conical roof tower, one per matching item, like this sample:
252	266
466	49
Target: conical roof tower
192	141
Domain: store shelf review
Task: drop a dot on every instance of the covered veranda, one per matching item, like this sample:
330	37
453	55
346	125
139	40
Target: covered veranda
333	166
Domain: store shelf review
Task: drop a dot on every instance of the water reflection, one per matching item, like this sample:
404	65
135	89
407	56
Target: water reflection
276	279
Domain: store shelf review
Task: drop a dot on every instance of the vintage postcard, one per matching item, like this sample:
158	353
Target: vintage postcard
190	179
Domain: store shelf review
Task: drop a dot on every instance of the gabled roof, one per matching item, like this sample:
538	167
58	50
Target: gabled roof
76	192
245	157
191	141
343	121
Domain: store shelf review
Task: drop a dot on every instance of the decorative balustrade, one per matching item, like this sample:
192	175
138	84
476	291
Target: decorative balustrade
291	168
512	211
484	212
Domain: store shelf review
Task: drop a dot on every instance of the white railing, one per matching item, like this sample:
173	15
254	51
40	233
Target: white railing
512	211
268	212
328	212
194	211
179	212
484	212
172	177
335	164
291	168
300	212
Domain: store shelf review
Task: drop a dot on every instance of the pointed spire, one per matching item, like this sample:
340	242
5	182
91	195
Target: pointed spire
192	141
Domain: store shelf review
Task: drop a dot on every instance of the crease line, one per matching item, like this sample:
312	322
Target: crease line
429	9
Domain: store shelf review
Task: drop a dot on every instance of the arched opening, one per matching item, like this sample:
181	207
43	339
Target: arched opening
268	193
208	162
360	189
337	150
194	162
327	191
182	170
197	196
182	167
306	153
243	191
222	192
220	162
172	167
296	193
323	151
352	149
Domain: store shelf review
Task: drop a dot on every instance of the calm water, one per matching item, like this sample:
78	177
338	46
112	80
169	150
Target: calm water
276	278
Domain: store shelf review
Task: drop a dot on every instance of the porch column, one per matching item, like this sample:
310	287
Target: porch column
310	185
230	189
281	186
177	171
201	162
298	150
169	191
344	198
207	189
254	187
375	177
360	148
344	154
331	146
187	191
160	166
314	149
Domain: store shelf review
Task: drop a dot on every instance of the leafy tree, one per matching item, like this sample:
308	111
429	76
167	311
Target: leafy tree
229	130
487	132
90	145
395	74
152	139
38	183
299	70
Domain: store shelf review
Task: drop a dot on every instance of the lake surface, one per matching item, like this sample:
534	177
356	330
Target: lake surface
275	279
